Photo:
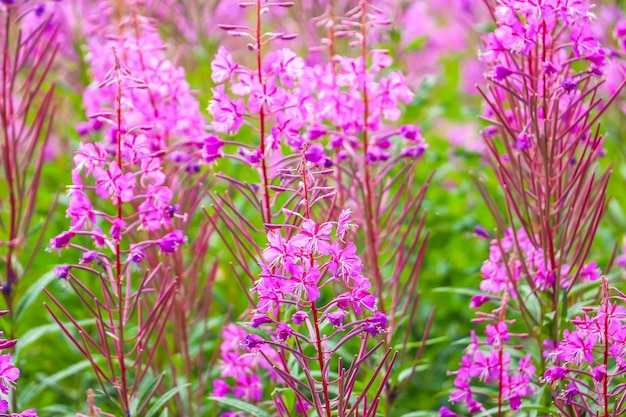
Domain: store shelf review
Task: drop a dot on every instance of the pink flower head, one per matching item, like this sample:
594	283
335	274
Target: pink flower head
313	238
223	67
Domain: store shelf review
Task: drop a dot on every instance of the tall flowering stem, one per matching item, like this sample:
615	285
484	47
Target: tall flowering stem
27	113
544	140
259	61
302	262
147	135
266	92
29	47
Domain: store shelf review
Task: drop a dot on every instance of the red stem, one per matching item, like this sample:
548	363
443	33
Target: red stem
318	336
370	218
266	195
605	381
119	343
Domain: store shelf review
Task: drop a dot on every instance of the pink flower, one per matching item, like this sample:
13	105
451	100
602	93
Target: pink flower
223	67
313	238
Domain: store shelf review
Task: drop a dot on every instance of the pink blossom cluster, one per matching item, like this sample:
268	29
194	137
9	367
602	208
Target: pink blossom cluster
8	375
156	97
589	363
298	264
514	260
492	362
311	103
294	274
547	50
337	91
551	28
130	174
245	369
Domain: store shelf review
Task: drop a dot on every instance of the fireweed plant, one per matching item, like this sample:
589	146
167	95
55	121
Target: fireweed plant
543	139
341	112
151	143
306	329
29	47
172	131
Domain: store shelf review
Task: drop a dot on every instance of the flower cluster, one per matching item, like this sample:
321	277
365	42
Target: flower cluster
310	103
492	362
548	29
156	97
293	276
8	375
337	89
515	260
589	363
131	172
243	368
132	178
547	48
302	257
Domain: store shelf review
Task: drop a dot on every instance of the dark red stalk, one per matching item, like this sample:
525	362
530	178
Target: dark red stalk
267	214
370	216
605	358
119	342
318	336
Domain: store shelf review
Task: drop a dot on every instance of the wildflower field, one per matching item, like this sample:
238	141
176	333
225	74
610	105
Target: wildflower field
330	208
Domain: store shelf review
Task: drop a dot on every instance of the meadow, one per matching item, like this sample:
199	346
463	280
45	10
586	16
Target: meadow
330	208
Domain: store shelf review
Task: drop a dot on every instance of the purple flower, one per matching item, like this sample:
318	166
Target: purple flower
336	317
313	237
377	324
116	228
500	73
211	148
478	300
411	133
288	66
299	317
569	85
171	241
569	393
446	412
555	374
315	153
497	333
251	342
359	298
591	271
88	257
414	151
344	223
62	240
136	255
259	319
524	142
283	332
220	388
61	271
8	374
481	232
345	263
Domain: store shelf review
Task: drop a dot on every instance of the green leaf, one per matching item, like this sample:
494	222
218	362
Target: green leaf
30	391
241	405
164	399
31	295
36	333
146	388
